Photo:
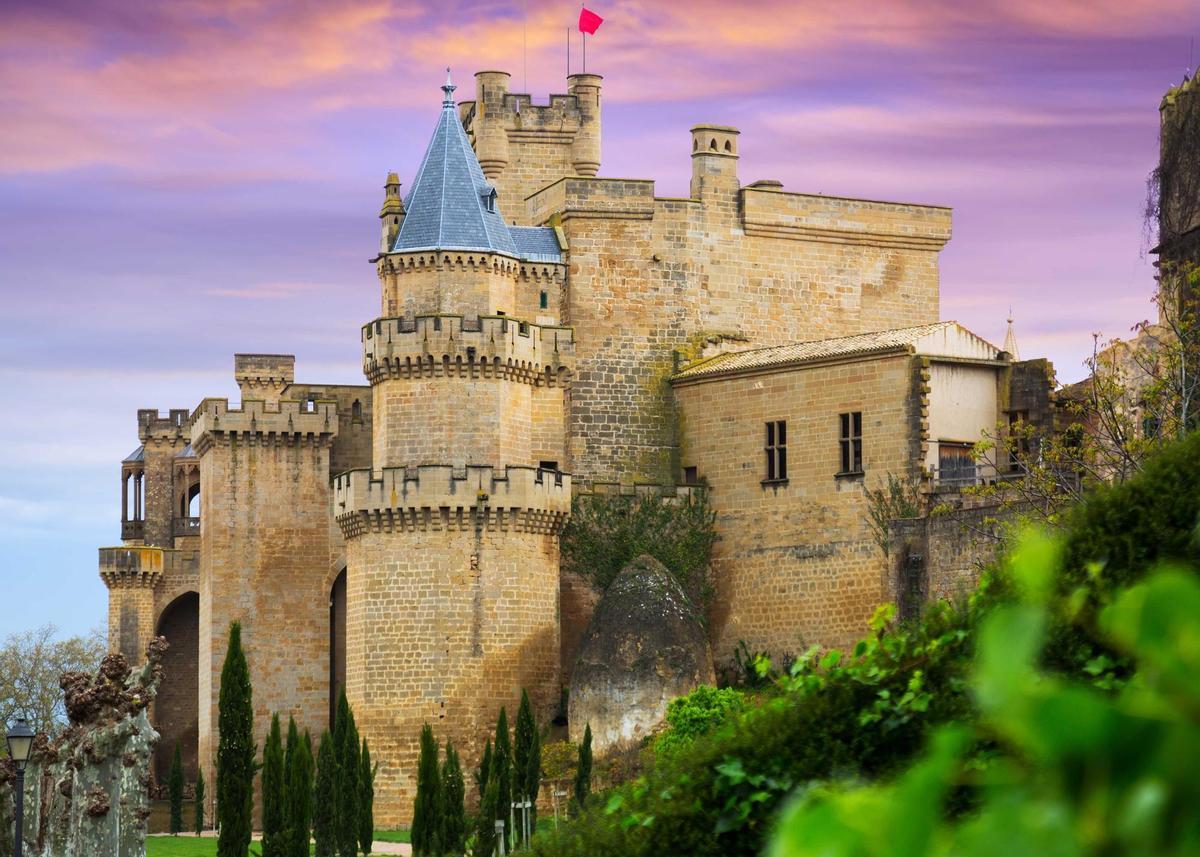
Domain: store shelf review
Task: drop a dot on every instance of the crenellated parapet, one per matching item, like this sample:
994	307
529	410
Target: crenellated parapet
154	426
442	497
286	423
131	567
454	346
637	490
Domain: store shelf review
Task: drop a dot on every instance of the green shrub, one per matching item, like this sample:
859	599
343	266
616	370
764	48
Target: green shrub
366	799
175	791
272	792
198	817
606	532
324	814
583	771
1084	772
689	717
454	812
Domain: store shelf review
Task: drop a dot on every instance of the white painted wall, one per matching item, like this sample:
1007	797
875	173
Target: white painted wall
962	405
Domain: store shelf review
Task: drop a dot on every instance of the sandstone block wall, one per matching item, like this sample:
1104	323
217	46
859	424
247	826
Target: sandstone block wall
795	564
651	279
265	554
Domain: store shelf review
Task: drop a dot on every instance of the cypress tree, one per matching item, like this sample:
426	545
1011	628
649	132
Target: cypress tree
366	800
272	793
502	774
425	833
199	814
583	771
454	811
347	824
485	823
298	811
527	761
323	804
235	751
175	791
483	772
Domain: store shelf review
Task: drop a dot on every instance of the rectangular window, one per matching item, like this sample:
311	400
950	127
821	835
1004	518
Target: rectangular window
776	450
850	440
956	463
1018	435
544	300
690	476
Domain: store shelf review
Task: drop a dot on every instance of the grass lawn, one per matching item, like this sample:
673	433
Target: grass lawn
187	845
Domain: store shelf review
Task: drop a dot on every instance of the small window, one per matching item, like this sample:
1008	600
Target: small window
956	463
543	300
690	476
548	465
1151	427
776	451
1018	435
356	411
850	440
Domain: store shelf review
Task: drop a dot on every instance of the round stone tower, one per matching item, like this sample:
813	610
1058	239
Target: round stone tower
452	537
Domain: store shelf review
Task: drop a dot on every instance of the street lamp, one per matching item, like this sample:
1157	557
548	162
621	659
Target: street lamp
20	743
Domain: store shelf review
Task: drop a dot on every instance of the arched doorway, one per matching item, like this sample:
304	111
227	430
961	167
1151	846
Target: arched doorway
177	706
337	643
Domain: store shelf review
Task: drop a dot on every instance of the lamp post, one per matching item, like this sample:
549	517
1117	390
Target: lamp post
20	743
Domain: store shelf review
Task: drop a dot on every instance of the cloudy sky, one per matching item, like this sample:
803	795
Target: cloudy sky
183	180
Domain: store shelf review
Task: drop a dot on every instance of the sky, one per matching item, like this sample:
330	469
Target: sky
183	180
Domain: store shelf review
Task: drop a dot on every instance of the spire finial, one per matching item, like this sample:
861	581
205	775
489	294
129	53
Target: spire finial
1010	338
448	88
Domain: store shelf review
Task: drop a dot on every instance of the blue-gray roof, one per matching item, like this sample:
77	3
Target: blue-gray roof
447	207
536	243
138	454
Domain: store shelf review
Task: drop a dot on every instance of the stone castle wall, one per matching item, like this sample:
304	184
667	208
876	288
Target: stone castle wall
265	554
651	279
795	563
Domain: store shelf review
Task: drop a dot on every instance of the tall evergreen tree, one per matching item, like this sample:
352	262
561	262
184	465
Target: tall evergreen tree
427	809
527	761
347	824
198	817
583	771
298	812
324	829
485	822
235	751
454	811
366	799
484	771
272	792
502	773
175	791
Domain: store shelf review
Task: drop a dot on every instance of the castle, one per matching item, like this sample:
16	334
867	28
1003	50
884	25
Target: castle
544	332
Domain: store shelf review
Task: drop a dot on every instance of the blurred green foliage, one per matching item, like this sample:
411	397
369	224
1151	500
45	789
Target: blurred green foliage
689	717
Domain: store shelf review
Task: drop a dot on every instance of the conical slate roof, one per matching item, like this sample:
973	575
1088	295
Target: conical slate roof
448	207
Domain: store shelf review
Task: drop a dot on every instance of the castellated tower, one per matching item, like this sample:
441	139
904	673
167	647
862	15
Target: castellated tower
452	535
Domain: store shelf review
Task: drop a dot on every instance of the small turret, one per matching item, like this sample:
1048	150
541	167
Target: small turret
491	138
1010	340
585	148
392	212
714	160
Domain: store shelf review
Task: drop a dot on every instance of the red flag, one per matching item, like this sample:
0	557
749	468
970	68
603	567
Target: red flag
589	21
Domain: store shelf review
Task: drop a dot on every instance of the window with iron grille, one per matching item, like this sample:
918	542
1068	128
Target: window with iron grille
850	440
776	451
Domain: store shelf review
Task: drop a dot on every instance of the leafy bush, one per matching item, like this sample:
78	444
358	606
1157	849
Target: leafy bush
1084	772
606	532
689	717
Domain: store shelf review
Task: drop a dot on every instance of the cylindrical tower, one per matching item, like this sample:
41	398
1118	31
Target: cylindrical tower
452	537
585	150
491	138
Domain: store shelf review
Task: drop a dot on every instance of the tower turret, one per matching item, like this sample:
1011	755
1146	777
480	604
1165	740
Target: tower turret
491	138
391	213
585	148
451	537
714	161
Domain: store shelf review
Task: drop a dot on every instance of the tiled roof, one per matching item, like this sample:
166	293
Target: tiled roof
186	452
138	454
447	208
536	243
943	339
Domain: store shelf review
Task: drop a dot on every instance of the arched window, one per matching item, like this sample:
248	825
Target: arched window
337	643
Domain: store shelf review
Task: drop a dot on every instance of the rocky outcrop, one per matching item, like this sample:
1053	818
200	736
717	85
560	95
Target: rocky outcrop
644	646
87	792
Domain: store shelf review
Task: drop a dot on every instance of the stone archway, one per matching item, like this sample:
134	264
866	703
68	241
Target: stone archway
177	707
337	642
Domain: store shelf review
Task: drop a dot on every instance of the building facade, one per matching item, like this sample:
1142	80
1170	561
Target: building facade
544	331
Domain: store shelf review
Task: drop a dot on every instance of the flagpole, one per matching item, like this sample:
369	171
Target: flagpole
568	51
584	33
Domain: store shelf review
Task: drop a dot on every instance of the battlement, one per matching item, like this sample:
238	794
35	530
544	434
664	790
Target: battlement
468	262
144	566
264	376
451	345
285	421
637	490
152	424
442	497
